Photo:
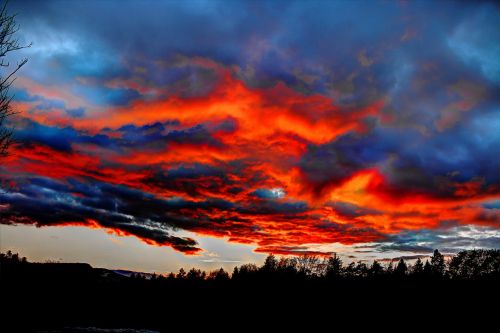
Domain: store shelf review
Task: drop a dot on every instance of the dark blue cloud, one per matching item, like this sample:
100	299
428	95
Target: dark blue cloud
409	160
148	137
494	204
101	96
274	38
159	134
56	137
76	113
49	202
349	210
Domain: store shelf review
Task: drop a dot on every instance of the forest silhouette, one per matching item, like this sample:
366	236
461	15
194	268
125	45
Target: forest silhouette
479	264
76	294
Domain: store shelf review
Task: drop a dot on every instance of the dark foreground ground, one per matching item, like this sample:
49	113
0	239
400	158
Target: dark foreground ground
79	298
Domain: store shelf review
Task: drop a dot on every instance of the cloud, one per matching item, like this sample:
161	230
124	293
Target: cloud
475	47
303	130
450	240
274	193
349	210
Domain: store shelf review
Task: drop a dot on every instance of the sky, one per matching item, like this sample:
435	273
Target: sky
154	135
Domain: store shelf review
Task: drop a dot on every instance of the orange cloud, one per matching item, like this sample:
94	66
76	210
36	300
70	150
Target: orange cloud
273	129
259	113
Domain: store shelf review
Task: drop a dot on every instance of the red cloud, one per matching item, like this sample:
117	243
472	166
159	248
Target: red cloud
273	128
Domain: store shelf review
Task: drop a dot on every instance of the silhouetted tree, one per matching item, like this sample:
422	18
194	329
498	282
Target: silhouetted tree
270	264
287	267
350	270
236	273
361	270
219	276
475	264
333	267
248	269
181	275
13	258
390	269
307	264
427	268
246	272
195	275
418	268
376	269
8	44
401	268
437	263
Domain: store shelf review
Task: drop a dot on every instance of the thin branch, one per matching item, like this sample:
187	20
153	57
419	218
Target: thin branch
8	43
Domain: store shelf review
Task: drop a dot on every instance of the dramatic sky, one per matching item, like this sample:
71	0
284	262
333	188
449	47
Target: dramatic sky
203	133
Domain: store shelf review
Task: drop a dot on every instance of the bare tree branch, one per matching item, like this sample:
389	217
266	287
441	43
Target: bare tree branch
8	43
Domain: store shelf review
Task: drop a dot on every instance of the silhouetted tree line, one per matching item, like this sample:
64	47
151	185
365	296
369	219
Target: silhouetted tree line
466	265
56	294
12	258
469	264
